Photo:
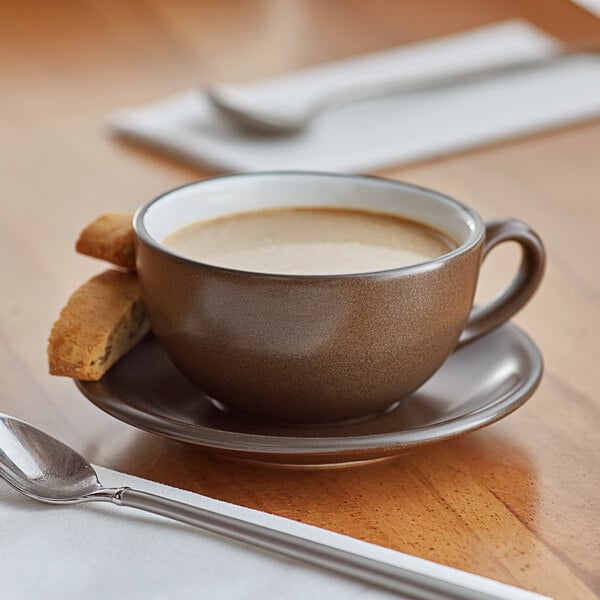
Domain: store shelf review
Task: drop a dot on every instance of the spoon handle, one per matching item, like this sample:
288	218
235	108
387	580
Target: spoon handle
410	583
390	84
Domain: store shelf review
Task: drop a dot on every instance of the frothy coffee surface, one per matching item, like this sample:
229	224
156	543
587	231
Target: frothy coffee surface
309	241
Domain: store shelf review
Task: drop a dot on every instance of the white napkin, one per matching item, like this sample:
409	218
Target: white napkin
386	131
99	551
592	6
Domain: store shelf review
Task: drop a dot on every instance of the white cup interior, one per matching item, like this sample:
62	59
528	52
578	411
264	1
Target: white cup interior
220	196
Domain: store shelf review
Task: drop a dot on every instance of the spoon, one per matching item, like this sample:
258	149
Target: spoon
265	114
41	467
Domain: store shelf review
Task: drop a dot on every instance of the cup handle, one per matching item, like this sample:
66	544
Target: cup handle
533	259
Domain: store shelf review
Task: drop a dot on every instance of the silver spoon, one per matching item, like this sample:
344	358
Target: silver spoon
43	468
257	115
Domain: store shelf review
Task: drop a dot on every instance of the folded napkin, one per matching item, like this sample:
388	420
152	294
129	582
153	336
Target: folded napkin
382	132
592	6
104	551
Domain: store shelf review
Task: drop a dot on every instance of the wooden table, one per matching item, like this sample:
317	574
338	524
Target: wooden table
517	501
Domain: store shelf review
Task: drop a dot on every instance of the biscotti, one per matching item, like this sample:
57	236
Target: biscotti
110	238
102	320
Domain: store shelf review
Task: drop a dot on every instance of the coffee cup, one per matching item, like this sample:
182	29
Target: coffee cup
321	347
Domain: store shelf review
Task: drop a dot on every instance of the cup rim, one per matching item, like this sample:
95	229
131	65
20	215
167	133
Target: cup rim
474	239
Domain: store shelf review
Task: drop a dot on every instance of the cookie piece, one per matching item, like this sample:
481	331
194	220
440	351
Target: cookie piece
109	237
102	321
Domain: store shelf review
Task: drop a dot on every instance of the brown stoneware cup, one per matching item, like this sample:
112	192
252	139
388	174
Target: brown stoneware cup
321	348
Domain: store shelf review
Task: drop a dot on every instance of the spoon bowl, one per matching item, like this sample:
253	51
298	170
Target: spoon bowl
250	117
41	467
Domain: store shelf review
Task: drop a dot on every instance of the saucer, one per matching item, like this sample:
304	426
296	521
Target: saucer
478	384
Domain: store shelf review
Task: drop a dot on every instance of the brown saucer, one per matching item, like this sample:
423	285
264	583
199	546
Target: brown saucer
476	386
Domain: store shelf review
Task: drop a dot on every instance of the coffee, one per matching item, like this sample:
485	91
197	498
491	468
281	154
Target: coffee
309	241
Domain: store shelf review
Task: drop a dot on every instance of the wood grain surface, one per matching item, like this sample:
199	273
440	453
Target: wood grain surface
518	501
